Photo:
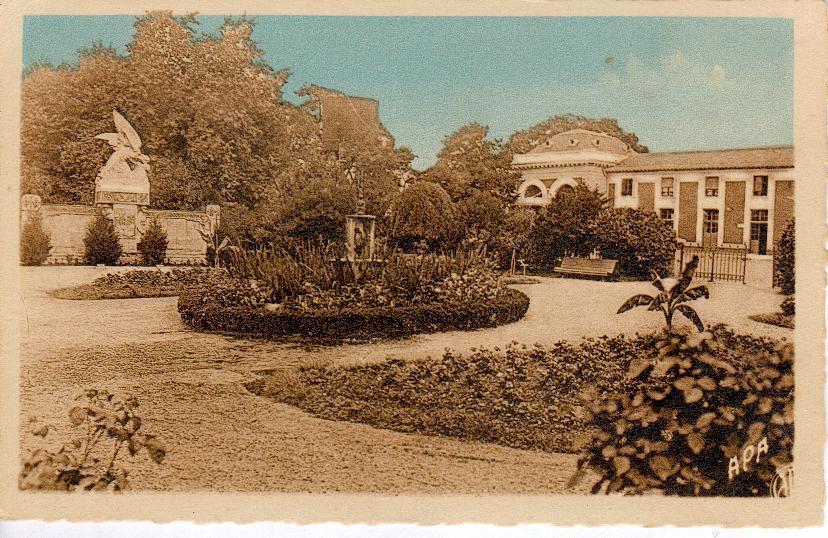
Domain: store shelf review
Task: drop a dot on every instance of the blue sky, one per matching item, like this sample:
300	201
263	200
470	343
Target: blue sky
679	83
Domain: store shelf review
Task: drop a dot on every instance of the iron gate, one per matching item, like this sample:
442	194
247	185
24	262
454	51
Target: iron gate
716	263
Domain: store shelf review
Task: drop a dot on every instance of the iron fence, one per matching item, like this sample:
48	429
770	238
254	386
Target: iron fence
716	263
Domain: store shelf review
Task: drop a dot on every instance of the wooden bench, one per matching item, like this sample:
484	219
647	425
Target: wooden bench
586	266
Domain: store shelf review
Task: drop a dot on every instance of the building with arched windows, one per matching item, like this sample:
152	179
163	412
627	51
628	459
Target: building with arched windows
739	198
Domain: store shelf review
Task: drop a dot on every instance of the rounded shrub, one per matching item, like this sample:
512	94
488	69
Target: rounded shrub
34	242
784	258
639	240
101	242
425	213
153	244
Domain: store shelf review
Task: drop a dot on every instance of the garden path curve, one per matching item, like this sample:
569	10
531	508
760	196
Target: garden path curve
220	437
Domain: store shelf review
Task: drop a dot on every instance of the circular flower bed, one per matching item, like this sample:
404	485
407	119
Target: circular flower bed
351	322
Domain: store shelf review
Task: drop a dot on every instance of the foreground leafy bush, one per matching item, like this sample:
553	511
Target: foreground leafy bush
639	240
153	244
203	311
34	242
111	428
101	242
520	397
699	425
784	259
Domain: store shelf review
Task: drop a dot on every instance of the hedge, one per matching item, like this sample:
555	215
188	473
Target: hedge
353	323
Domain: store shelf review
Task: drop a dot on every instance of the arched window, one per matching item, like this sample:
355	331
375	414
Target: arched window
532	191
564	190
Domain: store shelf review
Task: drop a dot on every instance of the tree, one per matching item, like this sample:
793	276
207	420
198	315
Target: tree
470	163
101	242
524	140
784	259
34	242
639	240
153	244
423	213
564	226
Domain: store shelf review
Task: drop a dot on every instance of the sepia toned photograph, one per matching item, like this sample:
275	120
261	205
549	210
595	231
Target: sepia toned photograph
410	256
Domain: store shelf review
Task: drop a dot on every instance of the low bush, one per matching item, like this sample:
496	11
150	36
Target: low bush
204	311
101	242
699	424
34	242
142	283
153	244
109	427
522	397
784	259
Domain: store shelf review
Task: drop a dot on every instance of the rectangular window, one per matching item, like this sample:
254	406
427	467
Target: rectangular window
759	231
666	214
666	186
760	185
711	221
626	186
711	186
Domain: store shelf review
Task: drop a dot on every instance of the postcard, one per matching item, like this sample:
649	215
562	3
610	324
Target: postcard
442	262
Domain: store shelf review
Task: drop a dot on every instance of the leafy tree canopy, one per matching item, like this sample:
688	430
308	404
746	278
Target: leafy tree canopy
470	162
210	114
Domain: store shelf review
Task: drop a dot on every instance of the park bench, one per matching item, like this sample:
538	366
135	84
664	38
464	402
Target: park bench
586	266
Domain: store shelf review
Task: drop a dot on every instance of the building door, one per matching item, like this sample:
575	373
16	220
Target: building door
759	231
611	195
710	227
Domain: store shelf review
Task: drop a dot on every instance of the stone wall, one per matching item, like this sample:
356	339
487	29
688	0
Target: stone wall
67	226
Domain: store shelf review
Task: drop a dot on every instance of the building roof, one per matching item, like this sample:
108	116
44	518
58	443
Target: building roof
722	159
580	139
348	119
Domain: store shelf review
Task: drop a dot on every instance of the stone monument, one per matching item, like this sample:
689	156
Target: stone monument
122	185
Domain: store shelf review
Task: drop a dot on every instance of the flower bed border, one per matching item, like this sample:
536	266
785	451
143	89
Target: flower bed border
352	323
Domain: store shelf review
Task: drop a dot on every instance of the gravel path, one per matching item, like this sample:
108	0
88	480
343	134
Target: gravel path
220	437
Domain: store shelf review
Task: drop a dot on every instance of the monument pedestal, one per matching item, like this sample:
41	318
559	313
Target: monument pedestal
359	234
123	200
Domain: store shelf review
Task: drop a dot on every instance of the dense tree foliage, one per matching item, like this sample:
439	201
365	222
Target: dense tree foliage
639	240
211	117
470	163
563	228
